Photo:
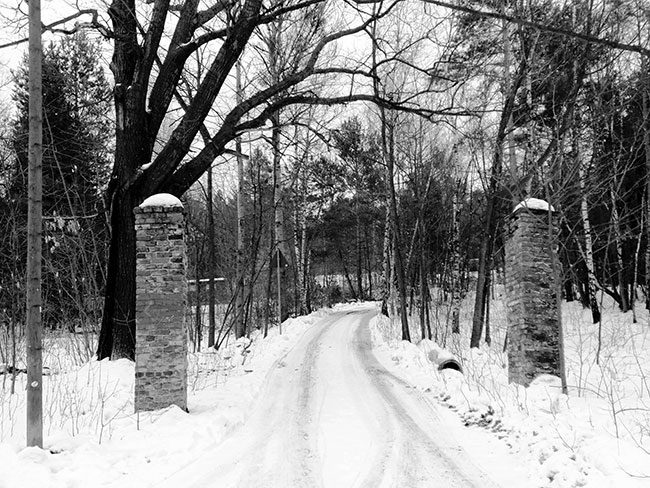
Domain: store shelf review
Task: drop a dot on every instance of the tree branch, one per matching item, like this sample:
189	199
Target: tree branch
533	25
94	24
152	40
210	13
179	143
183	178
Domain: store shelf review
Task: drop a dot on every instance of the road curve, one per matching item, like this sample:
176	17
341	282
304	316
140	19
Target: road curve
331	416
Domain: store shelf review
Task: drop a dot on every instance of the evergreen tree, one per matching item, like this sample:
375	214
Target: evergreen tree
76	101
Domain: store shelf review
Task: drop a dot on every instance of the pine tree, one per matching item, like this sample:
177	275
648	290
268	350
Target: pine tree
75	164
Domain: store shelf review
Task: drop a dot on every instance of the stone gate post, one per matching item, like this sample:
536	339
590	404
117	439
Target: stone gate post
161	291
531	305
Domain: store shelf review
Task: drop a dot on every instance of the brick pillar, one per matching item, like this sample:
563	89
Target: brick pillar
161	340
531	305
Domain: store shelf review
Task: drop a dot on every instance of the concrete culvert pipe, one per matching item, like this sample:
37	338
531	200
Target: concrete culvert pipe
444	359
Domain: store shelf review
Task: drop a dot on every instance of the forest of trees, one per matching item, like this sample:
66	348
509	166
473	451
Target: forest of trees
77	140
334	151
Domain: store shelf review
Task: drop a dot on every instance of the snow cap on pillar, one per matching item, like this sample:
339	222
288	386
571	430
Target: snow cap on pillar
534	204
165	200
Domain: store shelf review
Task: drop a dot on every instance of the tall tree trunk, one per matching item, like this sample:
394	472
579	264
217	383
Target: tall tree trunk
635	275
117	335
278	227
369	252
269	284
212	258
507	61
132	150
34	421
385	266
456	281
300	262
303	258
488	339
240	316
491	212
391	238
308	288
589	253
424	303
620	269
646	145
198	312
300	233
485	261
427	309
397	251
347	275
359	270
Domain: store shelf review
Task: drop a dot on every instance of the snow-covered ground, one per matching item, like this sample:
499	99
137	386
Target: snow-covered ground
92	436
534	437
595	437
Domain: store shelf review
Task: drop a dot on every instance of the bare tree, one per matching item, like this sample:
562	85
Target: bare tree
143	97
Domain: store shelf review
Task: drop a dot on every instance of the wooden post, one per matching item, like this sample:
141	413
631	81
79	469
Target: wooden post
34	433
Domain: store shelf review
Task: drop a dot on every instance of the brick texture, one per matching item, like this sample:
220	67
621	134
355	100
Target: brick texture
161	339
531	305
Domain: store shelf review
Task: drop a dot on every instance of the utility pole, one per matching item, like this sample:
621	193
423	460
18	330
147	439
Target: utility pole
34	431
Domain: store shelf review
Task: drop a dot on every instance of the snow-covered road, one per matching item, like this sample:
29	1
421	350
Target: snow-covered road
330	415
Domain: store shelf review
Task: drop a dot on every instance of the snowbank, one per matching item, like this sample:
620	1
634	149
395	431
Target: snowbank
584	439
93	438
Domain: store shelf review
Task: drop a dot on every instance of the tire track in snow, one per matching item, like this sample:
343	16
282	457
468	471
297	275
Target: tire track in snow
425	453
283	450
330	415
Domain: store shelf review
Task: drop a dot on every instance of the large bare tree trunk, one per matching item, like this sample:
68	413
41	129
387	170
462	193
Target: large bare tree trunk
34	421
117	335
